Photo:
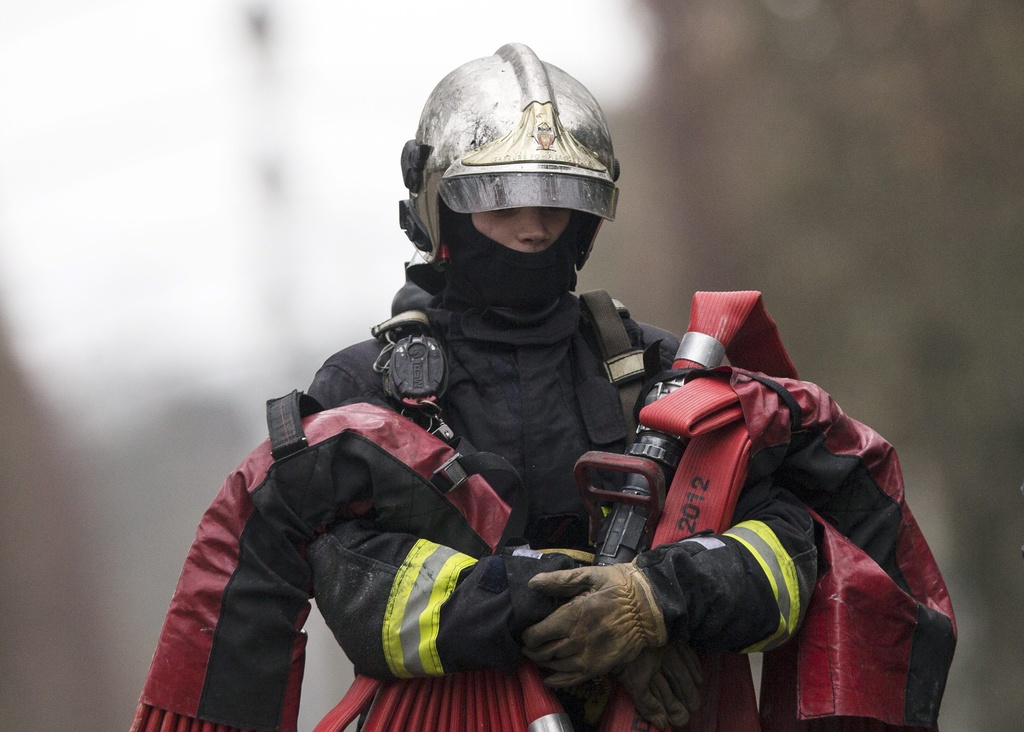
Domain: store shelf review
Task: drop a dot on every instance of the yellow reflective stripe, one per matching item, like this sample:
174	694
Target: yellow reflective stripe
401	589
430	617
778	567
410	626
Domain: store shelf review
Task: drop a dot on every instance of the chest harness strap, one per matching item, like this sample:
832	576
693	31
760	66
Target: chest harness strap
623	364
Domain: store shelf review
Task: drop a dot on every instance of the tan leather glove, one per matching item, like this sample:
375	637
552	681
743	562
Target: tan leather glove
664	684
612	617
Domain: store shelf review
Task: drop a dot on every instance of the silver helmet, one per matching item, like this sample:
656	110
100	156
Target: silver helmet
506	131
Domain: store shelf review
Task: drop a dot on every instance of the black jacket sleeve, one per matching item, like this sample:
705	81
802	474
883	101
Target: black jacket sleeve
401	606
745	589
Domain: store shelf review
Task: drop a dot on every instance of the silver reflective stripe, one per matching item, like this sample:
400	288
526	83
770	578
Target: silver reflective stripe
551	723
708	542
777	565
423	584
419	600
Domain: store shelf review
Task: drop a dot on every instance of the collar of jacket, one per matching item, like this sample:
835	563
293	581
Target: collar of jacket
493	325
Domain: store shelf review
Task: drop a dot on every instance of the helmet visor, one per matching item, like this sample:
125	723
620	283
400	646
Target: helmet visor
492	191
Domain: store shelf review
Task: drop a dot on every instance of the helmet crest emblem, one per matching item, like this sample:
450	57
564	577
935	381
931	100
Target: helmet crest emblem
545	136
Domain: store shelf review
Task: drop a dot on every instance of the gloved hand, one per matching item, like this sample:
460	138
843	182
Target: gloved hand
612	617
663	683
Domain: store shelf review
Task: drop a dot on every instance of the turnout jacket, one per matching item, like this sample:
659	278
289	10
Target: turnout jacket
537	394
875	640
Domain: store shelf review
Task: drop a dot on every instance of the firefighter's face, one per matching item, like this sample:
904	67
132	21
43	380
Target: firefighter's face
531	229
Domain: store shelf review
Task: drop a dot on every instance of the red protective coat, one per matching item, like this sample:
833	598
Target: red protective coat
231	650
879	634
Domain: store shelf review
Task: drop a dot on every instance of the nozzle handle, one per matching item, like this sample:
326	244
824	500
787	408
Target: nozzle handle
596	460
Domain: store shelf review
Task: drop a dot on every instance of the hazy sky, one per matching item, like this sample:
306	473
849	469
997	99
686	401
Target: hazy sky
140	244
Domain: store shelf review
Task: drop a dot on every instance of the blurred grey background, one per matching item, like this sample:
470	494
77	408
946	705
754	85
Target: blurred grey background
197	206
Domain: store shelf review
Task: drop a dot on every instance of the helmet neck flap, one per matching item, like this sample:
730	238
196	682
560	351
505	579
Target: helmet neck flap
481	273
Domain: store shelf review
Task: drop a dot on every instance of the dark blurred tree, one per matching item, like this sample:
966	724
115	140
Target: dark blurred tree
55	658
861	163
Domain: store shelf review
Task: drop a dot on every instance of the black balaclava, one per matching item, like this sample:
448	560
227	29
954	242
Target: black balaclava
486	275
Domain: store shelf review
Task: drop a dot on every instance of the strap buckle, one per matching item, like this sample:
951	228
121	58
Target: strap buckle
450	475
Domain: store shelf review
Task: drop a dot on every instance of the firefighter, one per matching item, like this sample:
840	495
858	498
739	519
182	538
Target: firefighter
510	176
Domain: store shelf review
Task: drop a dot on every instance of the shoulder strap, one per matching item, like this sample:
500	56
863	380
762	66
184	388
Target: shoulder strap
284	422
623	363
